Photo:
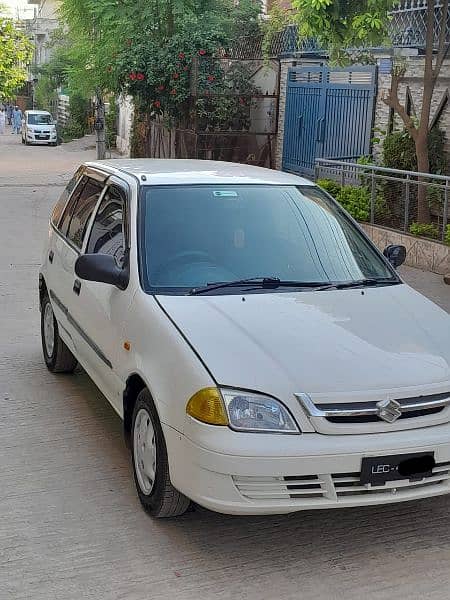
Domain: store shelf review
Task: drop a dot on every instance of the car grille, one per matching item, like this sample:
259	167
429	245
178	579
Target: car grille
369	412
424	412
336	486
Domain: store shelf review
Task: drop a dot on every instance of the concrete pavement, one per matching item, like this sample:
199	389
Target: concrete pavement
71	526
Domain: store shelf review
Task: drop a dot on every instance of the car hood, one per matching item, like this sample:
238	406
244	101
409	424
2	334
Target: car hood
318	342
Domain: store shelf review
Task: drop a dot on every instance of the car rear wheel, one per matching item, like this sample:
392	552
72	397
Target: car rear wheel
57	356
150	464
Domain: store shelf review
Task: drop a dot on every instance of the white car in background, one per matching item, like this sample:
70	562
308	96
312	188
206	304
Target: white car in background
38	127
263	355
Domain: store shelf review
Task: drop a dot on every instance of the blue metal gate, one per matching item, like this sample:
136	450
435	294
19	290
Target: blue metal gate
329	114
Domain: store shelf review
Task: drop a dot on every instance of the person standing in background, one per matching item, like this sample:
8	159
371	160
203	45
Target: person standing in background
9	112
2	121
17	120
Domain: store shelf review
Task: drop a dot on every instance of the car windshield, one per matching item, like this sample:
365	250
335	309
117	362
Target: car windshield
40	120
193	236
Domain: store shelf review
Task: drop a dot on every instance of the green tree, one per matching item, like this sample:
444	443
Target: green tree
340	25
15	54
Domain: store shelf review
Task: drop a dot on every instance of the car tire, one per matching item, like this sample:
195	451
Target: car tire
57	356
150	463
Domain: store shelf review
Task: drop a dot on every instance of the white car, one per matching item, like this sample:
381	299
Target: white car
38	127
263	355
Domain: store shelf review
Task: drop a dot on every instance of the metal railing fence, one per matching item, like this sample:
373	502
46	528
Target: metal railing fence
390	197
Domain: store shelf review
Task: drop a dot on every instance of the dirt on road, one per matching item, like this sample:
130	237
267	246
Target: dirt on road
71	526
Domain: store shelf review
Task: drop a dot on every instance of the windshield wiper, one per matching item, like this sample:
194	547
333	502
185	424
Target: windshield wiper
276	282
269	282
369	282
260	282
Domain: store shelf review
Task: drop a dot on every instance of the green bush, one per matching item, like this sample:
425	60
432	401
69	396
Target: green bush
355	200
424	229
111	123
447	235
399	151
72	131
332	187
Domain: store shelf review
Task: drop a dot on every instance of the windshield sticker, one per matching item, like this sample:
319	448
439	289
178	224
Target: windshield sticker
225	194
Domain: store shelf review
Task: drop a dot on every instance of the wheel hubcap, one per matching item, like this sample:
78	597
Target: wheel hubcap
144	450
49	329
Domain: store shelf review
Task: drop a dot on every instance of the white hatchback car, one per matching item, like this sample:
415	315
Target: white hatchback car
263	355
38	127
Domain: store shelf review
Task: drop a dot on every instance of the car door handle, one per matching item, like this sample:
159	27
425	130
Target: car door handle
77	286
51	254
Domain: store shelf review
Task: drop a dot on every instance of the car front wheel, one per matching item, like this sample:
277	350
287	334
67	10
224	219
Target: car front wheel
57	356
150	463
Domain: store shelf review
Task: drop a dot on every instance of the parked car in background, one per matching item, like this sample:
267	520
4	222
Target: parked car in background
264	356
38	127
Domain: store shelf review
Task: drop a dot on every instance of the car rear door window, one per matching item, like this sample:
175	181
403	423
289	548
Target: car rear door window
108	229
82	211
70	206
60	205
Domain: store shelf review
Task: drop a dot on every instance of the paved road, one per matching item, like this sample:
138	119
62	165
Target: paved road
71	527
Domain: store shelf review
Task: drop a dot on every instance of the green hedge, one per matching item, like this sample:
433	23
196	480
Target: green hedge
425	230
355	200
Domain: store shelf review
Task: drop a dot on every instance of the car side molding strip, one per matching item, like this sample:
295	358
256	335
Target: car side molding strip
79	329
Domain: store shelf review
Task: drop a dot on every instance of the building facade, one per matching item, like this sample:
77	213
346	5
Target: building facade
40	29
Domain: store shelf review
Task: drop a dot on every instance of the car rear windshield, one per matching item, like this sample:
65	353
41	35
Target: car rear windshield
196	235
40	120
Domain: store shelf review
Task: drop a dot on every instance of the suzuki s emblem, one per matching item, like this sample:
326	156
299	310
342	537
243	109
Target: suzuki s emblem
389	410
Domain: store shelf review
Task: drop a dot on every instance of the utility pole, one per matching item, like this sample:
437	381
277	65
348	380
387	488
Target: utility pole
100	127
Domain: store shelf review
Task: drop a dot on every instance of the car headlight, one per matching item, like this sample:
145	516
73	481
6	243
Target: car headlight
248	411
242	411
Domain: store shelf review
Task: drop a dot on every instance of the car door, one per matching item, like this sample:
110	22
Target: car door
57	278
68	244
100	309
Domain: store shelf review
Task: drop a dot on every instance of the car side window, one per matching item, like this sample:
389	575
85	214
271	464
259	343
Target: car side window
108	230
82	212
68	211
60	205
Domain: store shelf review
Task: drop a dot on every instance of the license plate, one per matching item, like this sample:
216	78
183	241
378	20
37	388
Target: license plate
376	470
42	137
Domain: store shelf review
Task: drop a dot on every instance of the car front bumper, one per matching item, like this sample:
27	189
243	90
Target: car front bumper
274	474
31	139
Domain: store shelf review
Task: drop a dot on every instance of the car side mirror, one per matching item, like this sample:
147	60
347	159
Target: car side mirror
101	268
396	255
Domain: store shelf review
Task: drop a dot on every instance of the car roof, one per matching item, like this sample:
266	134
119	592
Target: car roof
37	112
151	171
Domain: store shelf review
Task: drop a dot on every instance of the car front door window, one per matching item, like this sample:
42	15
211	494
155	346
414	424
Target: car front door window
108	232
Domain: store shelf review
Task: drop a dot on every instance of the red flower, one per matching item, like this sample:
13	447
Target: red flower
175	75
186	68
140	76
161	88
157	104
133	76
202	52
242	101
211	77
173	92
182	56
